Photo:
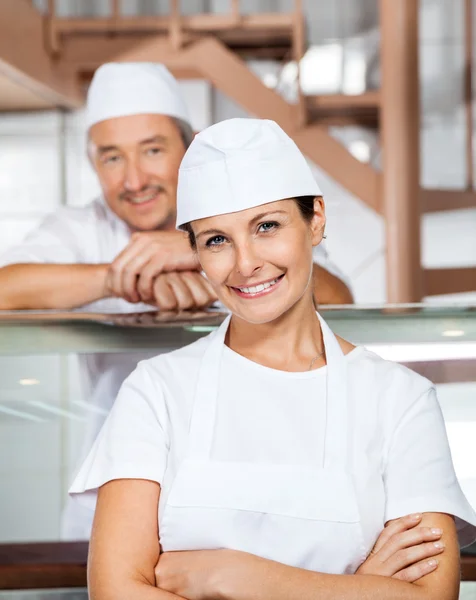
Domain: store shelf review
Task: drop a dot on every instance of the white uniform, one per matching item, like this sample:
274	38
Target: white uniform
87	235
92	234
301	468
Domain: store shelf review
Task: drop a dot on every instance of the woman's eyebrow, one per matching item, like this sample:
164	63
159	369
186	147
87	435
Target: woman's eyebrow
266	214
209	232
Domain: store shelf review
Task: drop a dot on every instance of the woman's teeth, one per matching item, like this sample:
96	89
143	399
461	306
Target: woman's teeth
258	288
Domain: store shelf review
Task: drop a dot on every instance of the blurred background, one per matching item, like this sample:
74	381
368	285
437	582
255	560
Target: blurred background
378	94
43	163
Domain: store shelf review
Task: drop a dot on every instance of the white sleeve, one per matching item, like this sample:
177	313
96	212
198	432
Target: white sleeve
419	475
132	443
53	241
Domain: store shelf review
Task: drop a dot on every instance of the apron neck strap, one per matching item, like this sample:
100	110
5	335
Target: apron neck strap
336	436
202	423
203	418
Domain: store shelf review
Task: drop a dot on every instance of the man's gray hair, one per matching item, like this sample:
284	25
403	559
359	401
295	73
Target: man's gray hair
186	131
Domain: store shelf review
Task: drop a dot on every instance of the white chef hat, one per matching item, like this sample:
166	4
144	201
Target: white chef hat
239	164
123	89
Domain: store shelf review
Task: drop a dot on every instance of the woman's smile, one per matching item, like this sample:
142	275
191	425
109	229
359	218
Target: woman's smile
259	289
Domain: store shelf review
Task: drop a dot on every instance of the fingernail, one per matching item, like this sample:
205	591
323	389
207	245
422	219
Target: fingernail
437	531
416	517
439	545
432	563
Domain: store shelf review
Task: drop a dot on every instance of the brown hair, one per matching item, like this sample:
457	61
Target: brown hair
305	205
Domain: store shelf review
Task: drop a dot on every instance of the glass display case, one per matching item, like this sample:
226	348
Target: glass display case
45	412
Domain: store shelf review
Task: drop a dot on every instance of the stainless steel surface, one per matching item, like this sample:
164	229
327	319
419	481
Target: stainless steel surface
52	332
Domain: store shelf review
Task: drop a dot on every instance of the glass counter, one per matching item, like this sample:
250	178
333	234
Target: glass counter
45	410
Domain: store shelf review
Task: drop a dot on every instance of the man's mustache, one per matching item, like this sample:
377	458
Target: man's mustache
155	189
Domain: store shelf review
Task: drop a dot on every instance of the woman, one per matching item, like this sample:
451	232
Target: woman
282	459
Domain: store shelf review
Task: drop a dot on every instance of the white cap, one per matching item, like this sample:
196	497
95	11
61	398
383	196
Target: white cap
239	164
124	89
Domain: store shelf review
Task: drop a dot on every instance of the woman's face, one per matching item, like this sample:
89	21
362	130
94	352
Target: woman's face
259	261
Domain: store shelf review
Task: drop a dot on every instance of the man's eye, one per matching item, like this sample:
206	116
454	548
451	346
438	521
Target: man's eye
153	151
268	226
215	241
111	159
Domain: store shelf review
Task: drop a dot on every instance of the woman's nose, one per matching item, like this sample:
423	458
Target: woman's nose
247	261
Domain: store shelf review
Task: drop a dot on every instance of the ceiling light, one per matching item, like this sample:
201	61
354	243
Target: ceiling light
29	381
425	351
453	333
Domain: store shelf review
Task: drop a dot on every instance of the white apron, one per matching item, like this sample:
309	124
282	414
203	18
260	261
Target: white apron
300	515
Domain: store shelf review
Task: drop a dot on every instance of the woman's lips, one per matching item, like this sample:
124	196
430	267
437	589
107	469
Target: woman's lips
258	291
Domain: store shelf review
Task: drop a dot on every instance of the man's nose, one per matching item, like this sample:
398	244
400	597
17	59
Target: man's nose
135	178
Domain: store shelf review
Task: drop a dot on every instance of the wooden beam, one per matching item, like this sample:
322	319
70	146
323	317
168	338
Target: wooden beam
468	91
235	10
449	281
400	131
335	109
360	179
200	23
369	99
442	200
43	565
232	76
159	49
468	566
299	49
24	58
87	53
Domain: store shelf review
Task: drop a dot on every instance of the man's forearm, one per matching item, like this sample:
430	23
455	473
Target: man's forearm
47	286
329	289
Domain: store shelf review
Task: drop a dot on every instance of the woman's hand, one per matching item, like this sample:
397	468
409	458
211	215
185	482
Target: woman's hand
199	575
404	551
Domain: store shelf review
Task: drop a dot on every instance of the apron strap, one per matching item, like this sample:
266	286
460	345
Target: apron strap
202	423
203	418
336	434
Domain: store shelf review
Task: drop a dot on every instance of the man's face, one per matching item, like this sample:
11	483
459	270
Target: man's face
137	159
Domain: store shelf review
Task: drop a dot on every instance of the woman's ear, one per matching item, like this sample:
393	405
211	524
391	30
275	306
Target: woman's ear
318	222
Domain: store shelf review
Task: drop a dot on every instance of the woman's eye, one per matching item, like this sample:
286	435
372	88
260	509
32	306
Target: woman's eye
215	241
268	226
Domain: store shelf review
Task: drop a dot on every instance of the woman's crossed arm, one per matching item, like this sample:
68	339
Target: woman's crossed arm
124	546
124	562
230	575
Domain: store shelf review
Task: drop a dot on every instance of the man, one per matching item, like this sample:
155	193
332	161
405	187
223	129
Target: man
121	253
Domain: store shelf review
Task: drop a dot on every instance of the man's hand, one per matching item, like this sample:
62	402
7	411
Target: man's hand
182	290
404	551
149	253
